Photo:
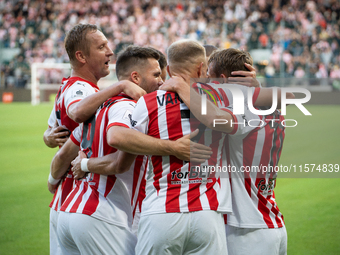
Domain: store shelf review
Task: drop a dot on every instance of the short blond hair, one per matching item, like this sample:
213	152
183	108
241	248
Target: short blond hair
184	54
76	40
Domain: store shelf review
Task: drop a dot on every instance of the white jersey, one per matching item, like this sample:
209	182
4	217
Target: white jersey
52	119
173	185
72	90
108	198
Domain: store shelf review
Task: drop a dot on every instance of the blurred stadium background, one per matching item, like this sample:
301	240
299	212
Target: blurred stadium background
293	43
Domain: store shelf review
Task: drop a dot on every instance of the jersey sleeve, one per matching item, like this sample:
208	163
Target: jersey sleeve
76	135
120	114
140	117
52	119
248	121
245	123
77	92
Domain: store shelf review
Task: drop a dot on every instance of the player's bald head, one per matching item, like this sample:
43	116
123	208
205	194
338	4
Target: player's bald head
185	55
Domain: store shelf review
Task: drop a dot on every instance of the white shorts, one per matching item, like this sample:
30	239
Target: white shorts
200	232
256	241
83	234
54	243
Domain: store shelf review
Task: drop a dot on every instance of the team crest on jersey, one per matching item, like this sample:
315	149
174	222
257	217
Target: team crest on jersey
79	93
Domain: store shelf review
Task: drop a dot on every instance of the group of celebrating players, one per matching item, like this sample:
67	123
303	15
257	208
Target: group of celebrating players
123	181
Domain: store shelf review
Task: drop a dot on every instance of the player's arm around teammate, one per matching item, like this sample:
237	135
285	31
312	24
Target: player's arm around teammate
247	230
194	101
138	143
84	109
61	163
115	163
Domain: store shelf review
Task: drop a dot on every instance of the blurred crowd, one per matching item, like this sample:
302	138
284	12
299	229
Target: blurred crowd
302	35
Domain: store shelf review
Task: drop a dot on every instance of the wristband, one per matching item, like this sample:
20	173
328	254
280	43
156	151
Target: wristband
52	180
83	165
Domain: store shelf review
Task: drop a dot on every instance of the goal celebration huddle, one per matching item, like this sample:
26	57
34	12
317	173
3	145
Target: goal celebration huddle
125	178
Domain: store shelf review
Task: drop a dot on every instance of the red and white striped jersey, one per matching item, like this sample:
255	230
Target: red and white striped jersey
173	185
253	153
72	90
138	187
254	146
108	198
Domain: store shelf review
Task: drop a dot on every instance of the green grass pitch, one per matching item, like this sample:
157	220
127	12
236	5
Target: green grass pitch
310	205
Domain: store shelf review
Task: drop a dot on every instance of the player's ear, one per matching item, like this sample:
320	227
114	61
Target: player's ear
168	70
224	77
200	70
80	57
135	77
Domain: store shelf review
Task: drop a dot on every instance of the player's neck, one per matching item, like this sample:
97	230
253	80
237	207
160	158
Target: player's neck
88	76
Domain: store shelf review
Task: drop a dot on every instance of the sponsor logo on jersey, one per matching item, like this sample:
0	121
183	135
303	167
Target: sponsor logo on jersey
192	176
127	115
266	188
133	122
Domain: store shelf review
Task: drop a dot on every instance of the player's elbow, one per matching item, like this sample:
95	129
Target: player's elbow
121	169
77	115
113	139
115	168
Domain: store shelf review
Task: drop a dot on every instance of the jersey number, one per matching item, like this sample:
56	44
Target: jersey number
88	135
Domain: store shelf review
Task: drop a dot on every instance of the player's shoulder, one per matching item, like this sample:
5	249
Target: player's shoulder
82	83
153	94
77	81
159	94
121	100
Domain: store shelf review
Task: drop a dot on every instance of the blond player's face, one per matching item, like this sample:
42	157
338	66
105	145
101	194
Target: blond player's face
151	76
204	70
99	54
